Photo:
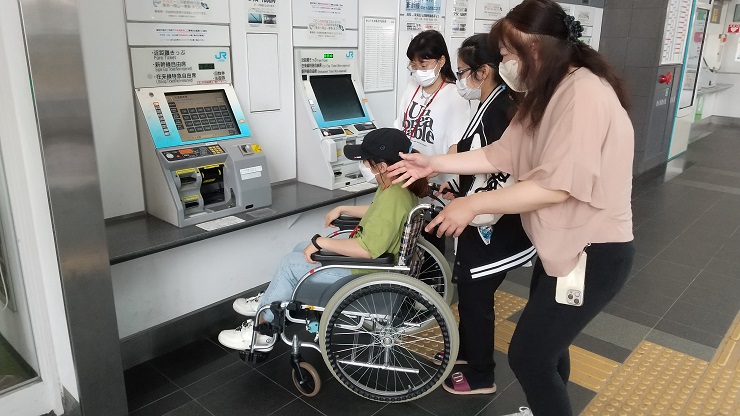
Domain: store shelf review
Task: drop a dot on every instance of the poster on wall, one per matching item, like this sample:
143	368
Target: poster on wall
421	15
459	18
161	66
379	64
326	20
147	34
483	26
201	11
262	16
491	9
676	31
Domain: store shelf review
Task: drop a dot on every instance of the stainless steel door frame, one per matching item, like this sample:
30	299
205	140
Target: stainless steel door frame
52	32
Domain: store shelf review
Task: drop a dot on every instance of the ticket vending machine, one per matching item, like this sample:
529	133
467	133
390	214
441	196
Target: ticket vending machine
334	114
198	160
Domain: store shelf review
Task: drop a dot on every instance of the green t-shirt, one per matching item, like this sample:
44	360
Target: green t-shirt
382	225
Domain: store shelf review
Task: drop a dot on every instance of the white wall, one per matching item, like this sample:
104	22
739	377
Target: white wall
382	104
273	130
155	289
723	103
110	92
27	188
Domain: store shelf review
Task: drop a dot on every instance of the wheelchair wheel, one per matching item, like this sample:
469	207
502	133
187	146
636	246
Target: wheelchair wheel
312	383
371	343
435	270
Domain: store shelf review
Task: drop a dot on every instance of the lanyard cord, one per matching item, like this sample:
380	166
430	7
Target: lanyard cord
427	103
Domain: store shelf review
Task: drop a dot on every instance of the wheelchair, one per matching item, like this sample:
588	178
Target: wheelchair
377	329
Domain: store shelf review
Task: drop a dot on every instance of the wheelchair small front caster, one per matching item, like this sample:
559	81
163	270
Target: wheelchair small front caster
307	382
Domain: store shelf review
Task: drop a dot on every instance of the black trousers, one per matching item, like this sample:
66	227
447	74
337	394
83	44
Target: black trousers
476	328
538	352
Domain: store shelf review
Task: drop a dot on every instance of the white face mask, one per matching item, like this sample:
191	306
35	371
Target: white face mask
509	72
425	77
467	92
367	173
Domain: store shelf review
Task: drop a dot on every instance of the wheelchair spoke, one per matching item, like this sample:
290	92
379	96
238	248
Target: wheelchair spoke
376	344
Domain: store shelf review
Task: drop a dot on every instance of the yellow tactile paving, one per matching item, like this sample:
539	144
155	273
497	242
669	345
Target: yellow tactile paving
659	381
653	381
590	370
505	305
718	392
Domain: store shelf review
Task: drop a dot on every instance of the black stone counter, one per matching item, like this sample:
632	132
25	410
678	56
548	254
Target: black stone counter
142	234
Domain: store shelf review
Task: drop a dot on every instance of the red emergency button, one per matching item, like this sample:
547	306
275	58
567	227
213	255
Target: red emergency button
666	79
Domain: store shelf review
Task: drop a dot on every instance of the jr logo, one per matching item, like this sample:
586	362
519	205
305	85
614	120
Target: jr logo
350	54
221	56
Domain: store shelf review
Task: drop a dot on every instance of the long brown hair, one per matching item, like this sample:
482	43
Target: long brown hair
542	24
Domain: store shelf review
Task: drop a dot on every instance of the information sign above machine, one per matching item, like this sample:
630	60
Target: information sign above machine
156	67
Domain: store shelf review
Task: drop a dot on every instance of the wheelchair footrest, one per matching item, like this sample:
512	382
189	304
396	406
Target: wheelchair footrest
254	356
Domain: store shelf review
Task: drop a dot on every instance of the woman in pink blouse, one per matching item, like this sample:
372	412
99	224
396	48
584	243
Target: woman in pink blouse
571	147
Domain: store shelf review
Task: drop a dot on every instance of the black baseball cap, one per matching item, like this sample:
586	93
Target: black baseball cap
380	145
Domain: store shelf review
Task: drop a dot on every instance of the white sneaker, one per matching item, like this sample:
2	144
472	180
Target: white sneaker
248	306
523	411
241	338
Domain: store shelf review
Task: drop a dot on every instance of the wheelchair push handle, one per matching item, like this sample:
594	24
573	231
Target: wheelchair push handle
435	188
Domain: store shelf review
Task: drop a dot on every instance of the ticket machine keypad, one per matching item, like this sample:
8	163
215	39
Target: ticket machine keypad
192	152
203	119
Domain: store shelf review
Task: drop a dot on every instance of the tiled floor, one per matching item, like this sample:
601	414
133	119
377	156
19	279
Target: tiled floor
682	295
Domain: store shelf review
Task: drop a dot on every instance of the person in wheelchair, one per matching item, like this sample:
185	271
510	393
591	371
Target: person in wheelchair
379	232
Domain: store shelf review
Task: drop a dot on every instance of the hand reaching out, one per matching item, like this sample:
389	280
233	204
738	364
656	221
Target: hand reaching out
413	166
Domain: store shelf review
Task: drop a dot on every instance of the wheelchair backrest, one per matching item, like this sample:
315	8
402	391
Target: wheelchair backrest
409	255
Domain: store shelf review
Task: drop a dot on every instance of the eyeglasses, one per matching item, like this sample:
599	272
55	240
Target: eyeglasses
422	65
460	73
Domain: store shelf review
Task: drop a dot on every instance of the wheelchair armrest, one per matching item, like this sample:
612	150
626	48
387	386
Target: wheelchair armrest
327	257
346	222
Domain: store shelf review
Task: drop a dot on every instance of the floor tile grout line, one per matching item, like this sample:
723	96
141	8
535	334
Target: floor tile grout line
283	406
166	395
311	406
497	395
203	378
204	407
249	370
276	383
159	399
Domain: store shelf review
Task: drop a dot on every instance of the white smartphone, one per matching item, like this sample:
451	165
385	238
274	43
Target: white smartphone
570	289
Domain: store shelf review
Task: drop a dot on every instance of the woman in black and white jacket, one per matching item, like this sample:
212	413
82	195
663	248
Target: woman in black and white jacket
484	252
